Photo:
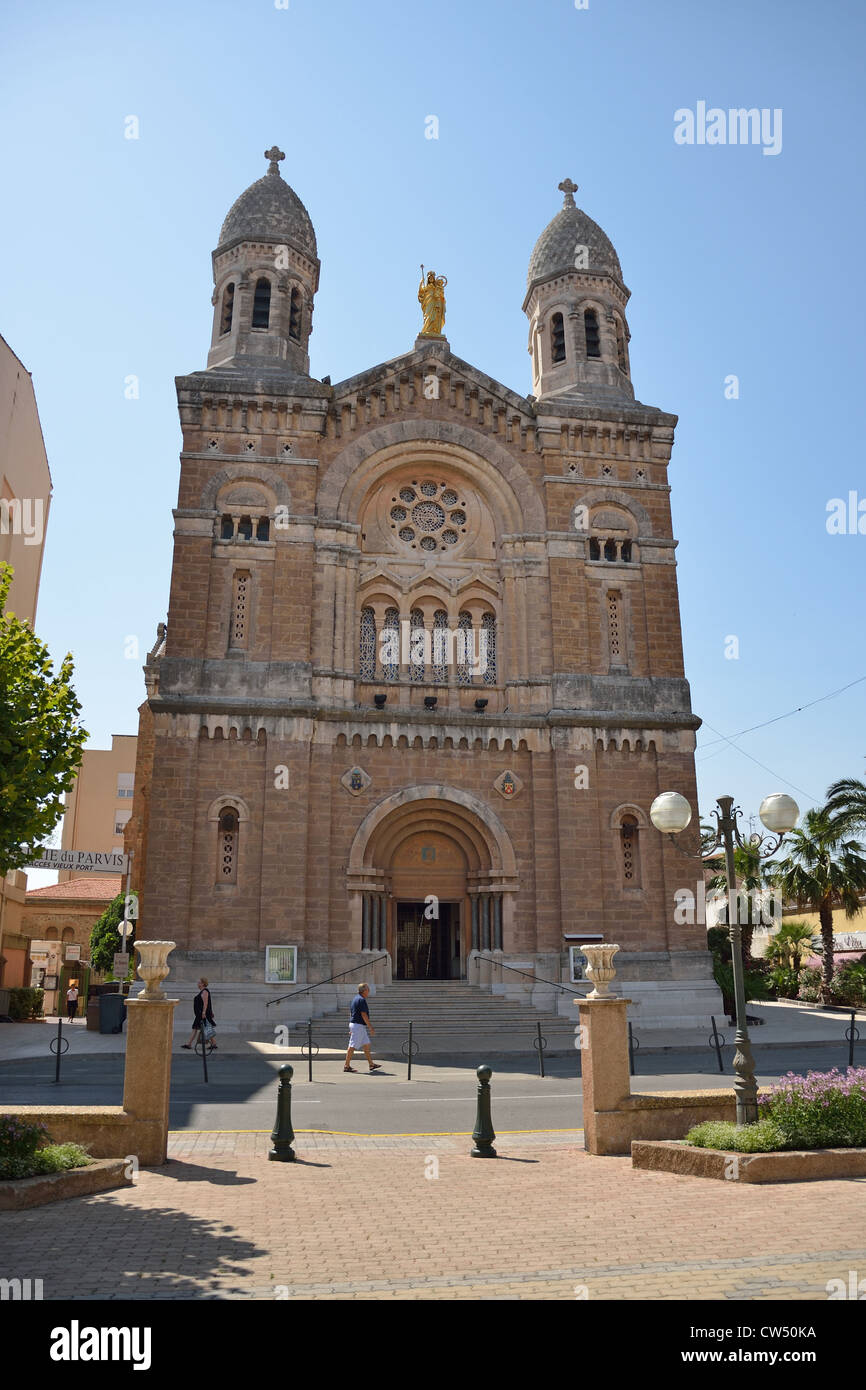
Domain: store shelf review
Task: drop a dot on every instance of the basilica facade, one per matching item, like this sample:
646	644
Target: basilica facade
422	674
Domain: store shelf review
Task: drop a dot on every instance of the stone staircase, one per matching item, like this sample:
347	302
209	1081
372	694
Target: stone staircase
448	1016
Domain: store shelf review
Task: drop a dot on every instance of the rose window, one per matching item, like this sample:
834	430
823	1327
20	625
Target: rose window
437	513
428	516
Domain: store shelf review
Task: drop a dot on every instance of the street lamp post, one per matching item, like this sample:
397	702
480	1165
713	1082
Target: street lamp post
671	813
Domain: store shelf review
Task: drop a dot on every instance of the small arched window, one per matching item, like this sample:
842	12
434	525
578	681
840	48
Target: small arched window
295	316
615	635
593	341
625	551
488	648
368	644
68	934
227	851
390	654
263	529
419	640
227	309
262	304
594	548
557	338
441	644
610	550
629	833
227	528
245	528
464	649
240	609
620	346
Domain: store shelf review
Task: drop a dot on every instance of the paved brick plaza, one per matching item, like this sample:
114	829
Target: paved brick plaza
222	1222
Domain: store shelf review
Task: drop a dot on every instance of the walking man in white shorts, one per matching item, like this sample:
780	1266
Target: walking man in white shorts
360	1029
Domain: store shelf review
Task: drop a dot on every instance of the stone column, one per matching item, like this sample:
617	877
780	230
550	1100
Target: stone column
604	1062
147	1077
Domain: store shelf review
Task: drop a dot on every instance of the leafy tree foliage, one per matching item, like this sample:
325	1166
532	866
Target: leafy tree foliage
41	739
105	936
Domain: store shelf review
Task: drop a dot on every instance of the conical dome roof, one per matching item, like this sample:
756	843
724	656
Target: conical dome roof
554	251
270	210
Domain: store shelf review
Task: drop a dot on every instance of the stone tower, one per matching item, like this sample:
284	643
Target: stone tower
422	675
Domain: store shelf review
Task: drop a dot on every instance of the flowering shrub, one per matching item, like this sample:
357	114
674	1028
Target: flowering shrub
20	1138
24	1150
849	983
764	1137
821	1110
810	986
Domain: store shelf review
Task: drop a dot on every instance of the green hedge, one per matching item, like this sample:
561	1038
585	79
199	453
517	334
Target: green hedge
25	1002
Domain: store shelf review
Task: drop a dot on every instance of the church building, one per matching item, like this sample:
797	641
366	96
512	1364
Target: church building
422	673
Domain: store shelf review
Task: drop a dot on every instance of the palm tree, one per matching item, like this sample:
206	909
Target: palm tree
822	871
790	942
752	879
846	804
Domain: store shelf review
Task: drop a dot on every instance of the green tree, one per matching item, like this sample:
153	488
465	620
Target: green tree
752	884
846	804
105	936
790	943
41	739
822	871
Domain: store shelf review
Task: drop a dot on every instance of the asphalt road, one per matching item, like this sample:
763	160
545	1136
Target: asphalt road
440	1098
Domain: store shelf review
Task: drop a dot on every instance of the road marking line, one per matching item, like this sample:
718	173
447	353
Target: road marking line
500	1098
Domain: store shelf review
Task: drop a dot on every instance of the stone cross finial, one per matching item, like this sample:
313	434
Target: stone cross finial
569	189
274	155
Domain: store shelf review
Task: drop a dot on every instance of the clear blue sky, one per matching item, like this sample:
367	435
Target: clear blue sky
738	262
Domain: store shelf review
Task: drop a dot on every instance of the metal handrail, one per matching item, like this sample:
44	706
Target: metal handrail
296	994
502	966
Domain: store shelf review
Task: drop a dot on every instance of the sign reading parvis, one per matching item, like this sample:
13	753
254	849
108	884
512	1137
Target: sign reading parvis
81	861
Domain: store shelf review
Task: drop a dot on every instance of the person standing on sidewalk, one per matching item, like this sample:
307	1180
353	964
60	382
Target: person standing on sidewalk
72	1000
360	1029
203	1012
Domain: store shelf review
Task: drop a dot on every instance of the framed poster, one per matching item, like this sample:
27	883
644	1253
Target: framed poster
281	965
578	964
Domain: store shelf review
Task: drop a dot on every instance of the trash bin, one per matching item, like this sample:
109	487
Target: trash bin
93	1015
112	1012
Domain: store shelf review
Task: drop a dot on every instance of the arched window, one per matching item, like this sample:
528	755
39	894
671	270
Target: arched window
50	933
227	309
629	833
227	852
610	550
441	644
557	338
295	316
368	644
594	548
262	304
418	643
263	529
68	934
620	345
625	552
240	609
390	654
615	635
590	325
245	528
488	649
465	646
227	528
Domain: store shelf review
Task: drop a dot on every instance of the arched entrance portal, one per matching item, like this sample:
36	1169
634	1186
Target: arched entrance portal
432	873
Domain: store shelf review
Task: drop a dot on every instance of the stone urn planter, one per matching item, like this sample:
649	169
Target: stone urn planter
153	966
600	969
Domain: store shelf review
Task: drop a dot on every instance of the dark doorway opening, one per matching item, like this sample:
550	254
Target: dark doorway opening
428	948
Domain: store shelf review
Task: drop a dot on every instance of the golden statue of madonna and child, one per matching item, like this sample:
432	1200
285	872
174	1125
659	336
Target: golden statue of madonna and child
431	297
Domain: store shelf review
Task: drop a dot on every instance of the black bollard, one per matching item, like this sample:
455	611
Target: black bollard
630	1051
409	1058
310	1049
716	1042
282	1133
483	1133
60	1047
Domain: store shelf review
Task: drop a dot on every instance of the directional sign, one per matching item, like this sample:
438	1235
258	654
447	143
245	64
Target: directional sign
121	962
81	861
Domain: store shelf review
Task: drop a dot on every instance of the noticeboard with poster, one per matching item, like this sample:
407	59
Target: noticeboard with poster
578	964
50	982
281	965
73	952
